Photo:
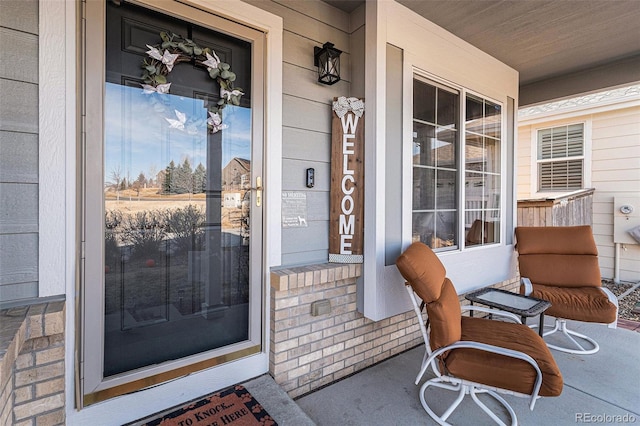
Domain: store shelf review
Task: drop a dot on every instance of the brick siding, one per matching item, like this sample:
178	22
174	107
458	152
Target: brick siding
308	352
32	365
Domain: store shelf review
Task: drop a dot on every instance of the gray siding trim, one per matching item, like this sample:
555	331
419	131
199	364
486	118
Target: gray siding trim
294	175
18	106
19	208
19	55
300	113
311	238
302	144
18	157
19	70
21	15
30	300
18	294
19	260
305	258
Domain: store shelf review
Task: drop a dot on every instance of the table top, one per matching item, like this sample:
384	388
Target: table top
508	301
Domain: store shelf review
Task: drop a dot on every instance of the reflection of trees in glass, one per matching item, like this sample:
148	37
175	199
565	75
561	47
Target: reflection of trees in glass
139	183
186	227
112	221
183	179
167	187
145	231
199	179
116	178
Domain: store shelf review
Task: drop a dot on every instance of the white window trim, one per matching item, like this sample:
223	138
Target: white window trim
586	165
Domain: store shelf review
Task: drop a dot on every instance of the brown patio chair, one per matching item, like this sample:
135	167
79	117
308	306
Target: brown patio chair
560	264
472	355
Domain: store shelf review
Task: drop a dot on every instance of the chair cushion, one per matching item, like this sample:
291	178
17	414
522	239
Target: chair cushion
588	304
420	266
500	370
561	270
444	317
556	240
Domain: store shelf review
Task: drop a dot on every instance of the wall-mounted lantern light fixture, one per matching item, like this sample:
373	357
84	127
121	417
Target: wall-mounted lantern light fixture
327	59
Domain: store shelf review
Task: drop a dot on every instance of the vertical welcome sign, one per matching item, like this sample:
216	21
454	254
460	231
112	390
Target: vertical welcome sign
347	181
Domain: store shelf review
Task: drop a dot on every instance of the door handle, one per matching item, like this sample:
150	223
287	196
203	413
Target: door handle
258	190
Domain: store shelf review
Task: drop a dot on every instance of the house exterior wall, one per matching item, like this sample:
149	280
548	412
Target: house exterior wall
19	150
614	168
346	340
306	117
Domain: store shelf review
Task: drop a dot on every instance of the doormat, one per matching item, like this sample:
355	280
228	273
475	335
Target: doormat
233	406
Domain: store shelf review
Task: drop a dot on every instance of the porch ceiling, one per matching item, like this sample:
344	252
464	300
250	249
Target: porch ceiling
545	41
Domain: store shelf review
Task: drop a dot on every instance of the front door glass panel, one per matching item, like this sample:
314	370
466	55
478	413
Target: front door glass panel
177	200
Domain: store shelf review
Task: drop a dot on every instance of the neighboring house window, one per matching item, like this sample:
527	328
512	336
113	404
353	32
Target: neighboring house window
561	158
439	149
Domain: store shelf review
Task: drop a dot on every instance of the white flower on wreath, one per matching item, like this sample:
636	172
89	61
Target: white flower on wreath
161	89
167	58
212	61
215	121
226	94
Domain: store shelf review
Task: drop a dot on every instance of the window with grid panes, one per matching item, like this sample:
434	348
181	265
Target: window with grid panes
482	171
436	111
442	158
561	158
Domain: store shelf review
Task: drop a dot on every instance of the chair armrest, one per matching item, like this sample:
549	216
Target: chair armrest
497	350
613	299
528	287
492	312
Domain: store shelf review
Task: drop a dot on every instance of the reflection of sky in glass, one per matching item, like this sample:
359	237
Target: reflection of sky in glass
139	137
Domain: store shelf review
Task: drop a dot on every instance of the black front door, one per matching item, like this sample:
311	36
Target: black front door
177	197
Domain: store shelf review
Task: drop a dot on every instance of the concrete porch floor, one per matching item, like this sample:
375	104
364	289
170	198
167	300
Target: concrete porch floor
602	384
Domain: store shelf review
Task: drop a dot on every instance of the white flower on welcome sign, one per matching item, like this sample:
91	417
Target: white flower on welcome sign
344	105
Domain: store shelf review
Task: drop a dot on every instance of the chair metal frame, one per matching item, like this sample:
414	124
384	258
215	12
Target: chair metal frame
466	387
560	325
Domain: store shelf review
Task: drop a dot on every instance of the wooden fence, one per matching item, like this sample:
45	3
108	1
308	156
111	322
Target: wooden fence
567	209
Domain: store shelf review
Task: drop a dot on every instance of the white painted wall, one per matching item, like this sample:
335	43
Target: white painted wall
614	167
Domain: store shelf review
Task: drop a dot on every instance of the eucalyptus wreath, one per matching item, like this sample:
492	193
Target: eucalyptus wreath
175	49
